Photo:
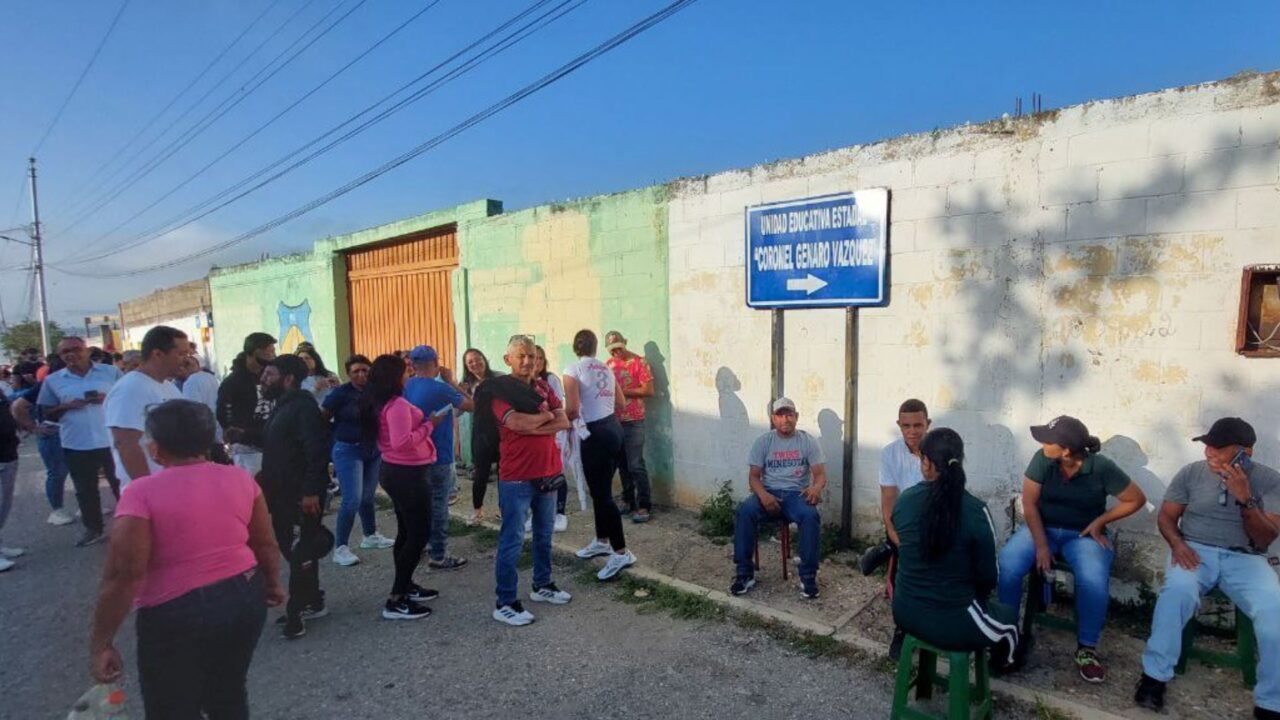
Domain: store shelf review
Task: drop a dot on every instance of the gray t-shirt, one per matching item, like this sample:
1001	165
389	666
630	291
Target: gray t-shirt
1206	521
787	463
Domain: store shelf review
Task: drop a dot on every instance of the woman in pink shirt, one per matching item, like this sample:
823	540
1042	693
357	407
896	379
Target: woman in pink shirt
192	549
403	434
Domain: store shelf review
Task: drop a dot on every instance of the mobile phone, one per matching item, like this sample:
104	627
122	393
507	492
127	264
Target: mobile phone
1242	460
91	394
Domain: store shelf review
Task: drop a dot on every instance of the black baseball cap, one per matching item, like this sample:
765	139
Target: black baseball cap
1063	430
1228	431
256	341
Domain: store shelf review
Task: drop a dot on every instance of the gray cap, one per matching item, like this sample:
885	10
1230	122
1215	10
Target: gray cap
782	403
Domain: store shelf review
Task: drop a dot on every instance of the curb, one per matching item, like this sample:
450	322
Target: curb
851	638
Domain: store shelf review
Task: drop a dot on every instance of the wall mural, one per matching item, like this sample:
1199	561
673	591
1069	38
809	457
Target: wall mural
295	325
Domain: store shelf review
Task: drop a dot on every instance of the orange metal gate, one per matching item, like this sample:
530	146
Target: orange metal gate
401	294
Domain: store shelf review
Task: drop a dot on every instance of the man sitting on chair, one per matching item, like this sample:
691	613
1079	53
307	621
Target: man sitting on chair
788	475
1219	517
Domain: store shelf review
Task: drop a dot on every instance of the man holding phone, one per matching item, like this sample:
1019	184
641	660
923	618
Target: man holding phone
1219	517
73	397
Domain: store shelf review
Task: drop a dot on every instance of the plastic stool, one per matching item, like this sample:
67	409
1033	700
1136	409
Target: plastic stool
960	695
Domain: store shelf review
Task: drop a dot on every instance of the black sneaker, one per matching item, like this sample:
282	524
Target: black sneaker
90	538
419	594
448	563
809	588
294	628
895	645
1150	693
404	609
742	585
874	557
314	611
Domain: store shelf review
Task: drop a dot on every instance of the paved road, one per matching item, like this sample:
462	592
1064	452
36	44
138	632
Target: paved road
596	657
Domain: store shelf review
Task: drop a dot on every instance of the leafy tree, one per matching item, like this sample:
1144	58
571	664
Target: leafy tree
25	335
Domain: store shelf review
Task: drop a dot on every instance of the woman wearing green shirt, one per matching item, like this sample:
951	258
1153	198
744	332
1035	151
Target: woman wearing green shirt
947	559
1064	501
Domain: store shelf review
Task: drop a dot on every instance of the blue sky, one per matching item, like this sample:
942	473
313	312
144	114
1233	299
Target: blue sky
725	83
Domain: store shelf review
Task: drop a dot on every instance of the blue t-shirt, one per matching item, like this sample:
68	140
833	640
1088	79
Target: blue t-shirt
343	404
431	396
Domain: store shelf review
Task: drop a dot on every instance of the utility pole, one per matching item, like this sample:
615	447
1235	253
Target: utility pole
39	263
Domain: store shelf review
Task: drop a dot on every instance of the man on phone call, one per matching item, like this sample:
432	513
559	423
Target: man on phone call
1219	517
72	397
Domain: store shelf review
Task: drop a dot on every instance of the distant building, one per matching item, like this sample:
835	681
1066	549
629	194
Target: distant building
186	307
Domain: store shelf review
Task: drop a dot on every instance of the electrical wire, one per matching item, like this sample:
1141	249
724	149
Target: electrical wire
187	216
79	191
96	195
93	59
263	126
512	99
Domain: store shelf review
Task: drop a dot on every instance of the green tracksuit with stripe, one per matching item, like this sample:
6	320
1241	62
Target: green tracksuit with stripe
944	601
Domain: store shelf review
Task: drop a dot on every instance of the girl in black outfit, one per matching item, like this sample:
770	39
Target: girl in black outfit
947	559
476	370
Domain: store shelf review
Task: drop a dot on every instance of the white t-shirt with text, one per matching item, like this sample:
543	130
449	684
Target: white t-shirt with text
127	406
596	387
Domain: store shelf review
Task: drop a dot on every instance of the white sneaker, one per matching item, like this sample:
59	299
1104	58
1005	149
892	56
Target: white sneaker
617	562
376	541
596	548
475	518
60	517
513	614
562	522
10	553
344	557
5	564
550	594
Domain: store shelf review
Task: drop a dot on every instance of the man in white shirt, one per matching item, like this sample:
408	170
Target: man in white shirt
201	386
72	397
899	471
164	349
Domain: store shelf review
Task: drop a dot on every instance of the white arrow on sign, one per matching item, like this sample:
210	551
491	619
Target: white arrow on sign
810	284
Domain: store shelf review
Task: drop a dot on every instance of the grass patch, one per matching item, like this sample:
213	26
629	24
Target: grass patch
1045	711
485	539
653	597
716	516
458	528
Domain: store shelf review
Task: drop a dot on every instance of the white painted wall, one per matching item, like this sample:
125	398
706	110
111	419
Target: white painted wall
1086	262
132	337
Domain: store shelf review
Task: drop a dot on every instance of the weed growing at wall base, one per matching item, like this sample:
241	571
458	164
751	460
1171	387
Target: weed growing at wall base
717	514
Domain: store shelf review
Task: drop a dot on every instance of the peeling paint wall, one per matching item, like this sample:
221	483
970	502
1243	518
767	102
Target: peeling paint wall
549	271
1085	261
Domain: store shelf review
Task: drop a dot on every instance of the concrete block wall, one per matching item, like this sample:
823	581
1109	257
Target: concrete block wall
1085	261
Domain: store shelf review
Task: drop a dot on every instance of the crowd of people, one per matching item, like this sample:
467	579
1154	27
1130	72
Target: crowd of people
217	483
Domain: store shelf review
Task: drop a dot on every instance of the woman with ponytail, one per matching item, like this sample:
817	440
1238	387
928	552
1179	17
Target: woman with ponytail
947	559
1064	502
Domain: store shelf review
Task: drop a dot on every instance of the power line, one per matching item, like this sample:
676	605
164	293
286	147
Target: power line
92	59
78	192
188	216
264	125
512	99
96	193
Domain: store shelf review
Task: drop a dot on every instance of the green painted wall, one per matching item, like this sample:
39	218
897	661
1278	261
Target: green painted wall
552	270
247	298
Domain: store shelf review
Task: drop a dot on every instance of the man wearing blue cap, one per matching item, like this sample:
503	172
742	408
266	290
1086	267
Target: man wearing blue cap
433	390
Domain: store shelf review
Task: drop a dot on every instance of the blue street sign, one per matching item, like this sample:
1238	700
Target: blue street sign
828	251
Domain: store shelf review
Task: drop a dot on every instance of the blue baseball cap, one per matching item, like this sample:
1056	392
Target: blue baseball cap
423	354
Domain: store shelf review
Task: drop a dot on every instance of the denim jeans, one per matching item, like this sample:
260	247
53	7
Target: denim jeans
635	476
1090	564
795	509
194	651
358	478
55	469
516	499
442	482
1250	583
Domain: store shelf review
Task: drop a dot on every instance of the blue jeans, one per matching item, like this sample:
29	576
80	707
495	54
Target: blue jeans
442	482
515	499
1250	583
55	469
794	509
358	478
1090	564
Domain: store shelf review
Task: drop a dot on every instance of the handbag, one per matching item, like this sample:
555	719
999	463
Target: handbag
549	484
